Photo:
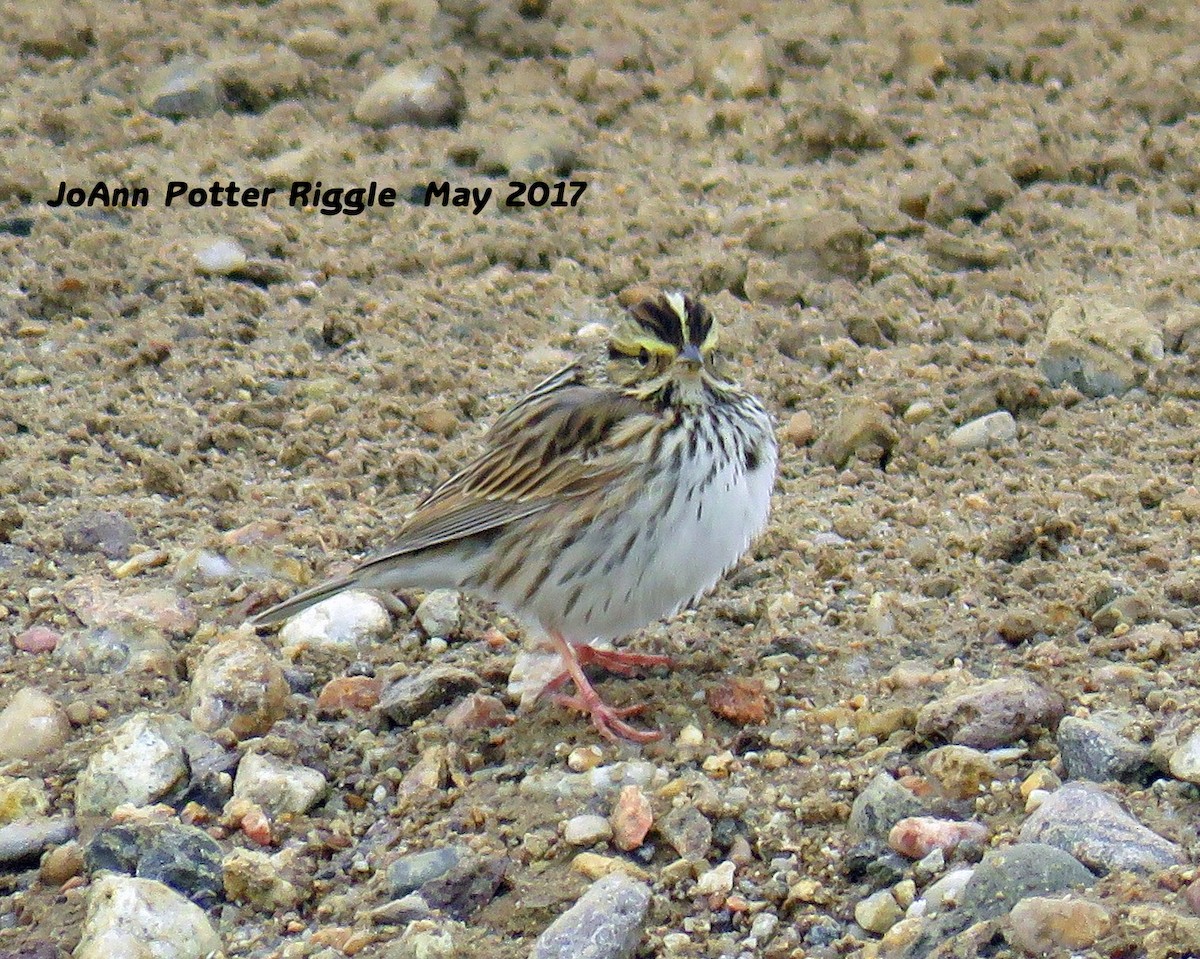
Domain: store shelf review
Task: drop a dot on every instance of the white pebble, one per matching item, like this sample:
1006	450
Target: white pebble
587	830
339	624
986	431
718	880
218	255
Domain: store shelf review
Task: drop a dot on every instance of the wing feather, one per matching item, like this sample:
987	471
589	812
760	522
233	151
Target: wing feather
552	445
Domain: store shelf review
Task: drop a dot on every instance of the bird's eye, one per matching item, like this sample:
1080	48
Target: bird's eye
644	357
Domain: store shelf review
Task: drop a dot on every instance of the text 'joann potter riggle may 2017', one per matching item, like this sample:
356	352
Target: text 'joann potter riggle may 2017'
331	201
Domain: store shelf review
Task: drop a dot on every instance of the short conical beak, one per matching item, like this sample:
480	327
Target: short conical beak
690	354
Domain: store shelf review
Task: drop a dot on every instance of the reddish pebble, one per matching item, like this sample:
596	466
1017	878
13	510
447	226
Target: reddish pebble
37	639
495	639
917	836
741	701
348	694
631	818
1192	894
476	711
256	826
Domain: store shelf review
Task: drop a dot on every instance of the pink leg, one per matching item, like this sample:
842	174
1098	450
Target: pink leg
623	664
609	720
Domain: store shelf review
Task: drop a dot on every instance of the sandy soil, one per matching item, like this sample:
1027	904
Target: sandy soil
884	203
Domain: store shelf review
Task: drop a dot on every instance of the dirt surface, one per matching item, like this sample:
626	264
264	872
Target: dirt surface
883	204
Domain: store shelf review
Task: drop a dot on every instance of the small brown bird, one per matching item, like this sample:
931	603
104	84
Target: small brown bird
596	508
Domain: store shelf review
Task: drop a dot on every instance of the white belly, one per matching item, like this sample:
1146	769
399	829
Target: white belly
654	560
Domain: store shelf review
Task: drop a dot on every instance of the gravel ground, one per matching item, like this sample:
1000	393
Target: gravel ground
954	248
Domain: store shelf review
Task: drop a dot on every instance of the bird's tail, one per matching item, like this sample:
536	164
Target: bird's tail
310	597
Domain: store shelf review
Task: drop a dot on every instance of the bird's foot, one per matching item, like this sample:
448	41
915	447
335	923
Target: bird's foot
623	664
609	720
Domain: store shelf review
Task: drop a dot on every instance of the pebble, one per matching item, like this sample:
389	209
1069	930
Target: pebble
962	772
37	639
183	857
1093	750
440	612
880	806
476	711
582	758
345	695
99	531
1044	924
993	714
586	830
947	891
21	798
878	912
1184	761
467	886
238	686
737	67
412	697
531	152
130	918
218	255
1002	879
717	881
62	863
1099	348
96	603
123	647
254	877
863	429
607	922
994	429
531	671
409	873
26	838
140	764
32	725
917	836
429	97
799	429
739	699
1086	822
631	818
278	786
184	88
594	866
338	625
687	831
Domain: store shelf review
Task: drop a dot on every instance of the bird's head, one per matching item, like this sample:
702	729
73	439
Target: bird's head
665	347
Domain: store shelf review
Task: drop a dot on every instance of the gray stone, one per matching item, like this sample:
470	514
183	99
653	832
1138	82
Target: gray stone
1099	348
999	882
607	922
409	873
108	533
416	696
25	839
131	918
1093	750
687	831
1006	876
880	806
1083	820
278	786
439	613
183	88
183	857
994	714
